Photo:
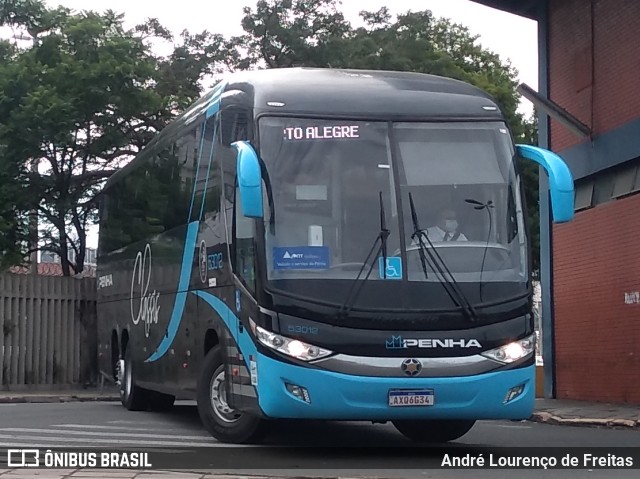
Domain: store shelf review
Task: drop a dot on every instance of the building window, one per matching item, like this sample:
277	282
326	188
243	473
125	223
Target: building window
584	195
611	184
603	187
626	180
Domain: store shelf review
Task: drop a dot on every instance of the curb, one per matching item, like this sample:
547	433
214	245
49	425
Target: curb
249	476
549	418
214	475
168	474
54	399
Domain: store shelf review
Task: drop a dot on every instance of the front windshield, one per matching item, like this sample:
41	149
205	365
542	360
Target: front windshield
466	194
327	177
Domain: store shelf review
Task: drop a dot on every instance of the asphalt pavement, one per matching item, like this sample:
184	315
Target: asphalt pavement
293	448
94	418
550	411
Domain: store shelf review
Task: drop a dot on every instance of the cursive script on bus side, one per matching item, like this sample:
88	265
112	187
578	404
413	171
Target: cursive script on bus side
145	305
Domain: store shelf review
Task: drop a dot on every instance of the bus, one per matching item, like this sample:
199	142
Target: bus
280	251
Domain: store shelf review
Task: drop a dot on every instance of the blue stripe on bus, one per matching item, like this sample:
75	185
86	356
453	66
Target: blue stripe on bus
245	345
181	295
218	306
189	247
214	107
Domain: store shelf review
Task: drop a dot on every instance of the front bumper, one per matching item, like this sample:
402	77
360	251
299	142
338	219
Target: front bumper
337	396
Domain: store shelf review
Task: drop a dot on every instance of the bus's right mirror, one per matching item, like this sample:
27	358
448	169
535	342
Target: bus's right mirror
560	180
249	179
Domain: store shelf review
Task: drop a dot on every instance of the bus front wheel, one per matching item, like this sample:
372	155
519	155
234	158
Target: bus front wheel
434	431
219	419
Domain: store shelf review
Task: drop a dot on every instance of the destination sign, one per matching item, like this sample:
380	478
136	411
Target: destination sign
321	132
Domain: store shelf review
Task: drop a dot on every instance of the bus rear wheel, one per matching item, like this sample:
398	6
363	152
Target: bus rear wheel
132	397
434	431
219	419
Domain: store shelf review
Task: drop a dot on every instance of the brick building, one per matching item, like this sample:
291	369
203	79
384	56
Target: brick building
589	65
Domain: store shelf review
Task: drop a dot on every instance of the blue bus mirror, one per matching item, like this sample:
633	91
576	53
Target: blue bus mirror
560	180
249	179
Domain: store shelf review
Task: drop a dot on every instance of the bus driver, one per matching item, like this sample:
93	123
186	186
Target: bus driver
446	229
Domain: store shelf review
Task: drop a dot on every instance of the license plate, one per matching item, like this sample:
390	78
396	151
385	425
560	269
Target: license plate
411	397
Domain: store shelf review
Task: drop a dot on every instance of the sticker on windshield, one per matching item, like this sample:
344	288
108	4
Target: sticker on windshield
301	257
394	268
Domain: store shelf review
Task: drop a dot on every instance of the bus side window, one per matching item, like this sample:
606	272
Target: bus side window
244	235
234	125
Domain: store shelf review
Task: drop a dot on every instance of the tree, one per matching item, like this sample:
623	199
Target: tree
286	33
289	33
13	211
13	217
81	101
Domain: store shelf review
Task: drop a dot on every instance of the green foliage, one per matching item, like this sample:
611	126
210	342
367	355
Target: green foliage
85	97
13	210
13	220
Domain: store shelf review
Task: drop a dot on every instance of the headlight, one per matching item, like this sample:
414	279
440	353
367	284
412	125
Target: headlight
291	347
513	351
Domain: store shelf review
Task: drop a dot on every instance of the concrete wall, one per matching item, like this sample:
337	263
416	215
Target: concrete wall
47	331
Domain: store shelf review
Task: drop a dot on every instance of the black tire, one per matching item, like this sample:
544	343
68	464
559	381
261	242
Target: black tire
226	425
132	397
160	401
436	431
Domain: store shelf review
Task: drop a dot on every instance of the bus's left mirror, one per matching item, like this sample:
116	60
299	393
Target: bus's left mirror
249	179
560	180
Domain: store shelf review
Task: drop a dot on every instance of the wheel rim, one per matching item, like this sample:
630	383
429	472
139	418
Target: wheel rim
218	397
119	370
128	380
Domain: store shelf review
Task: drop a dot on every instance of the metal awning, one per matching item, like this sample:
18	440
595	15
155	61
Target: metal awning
523	8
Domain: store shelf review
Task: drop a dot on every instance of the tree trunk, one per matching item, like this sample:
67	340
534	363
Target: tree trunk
64	248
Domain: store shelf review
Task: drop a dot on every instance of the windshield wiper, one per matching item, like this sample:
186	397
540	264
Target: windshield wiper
384	234
344	309
417	234
483	206
448	283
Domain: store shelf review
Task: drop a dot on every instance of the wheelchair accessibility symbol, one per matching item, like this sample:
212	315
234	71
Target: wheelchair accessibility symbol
393	268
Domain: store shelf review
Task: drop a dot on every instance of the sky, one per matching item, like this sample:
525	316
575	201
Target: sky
511	37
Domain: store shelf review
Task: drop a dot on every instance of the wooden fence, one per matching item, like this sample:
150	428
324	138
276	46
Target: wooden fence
47	331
